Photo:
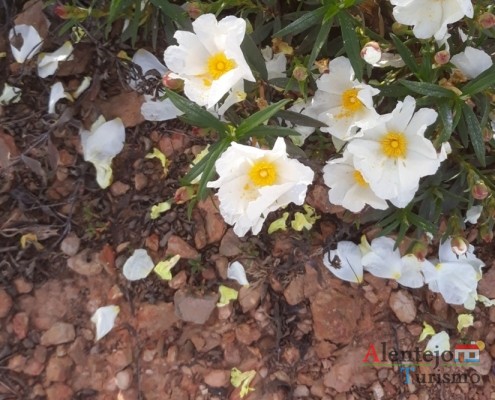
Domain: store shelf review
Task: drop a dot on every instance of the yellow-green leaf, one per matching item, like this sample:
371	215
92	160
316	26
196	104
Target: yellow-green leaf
279	224
427	331
464	321
242	380
226	295
162	157
160	208
164	268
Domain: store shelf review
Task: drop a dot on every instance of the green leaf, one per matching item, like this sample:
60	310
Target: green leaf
475	133
393	90
351	44
272	131
428	89
309	19
254	57
174	12
258	118
209	168
196	115
406	54
481	82
299	119
447	118
198	168
321	39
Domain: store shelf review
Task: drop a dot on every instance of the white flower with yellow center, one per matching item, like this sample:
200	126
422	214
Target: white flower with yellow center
431	17
348	188
210	60
342	102
394	155
254	182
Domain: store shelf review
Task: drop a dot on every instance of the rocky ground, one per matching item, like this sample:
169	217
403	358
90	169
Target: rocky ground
302	330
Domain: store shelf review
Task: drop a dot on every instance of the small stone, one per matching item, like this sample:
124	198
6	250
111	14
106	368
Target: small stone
123	379
120	358
22	286
156	318
218	378
20	324
179	280
486	286
402	304
249	297
378	392
5	303
247	334
301	391
70	245
176	245
230	246
33	367
140	181
294	292
119	189
58	369
85	263
60	332
484	366
77	350
192	308
59	391
17	363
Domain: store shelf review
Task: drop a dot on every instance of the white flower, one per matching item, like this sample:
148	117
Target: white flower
342	102
385	262
430	18
439	343
57	93
236	95
472	62
104	319
446	253
138	266
210	60
101	145
31	42
237	272
254	182
276	64
473	214
345	262
48	62
10	94
393	156
347	186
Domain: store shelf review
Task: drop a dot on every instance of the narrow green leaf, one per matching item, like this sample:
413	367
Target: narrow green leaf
321	39
272	131
254	57
258	118
392	90
309	19
196	115
351	43
481	82
299	119
174	12
447	118
209	167
428	89
475	133
406	54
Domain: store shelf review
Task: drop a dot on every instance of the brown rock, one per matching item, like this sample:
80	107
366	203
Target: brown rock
250	297
218	378
22	286
60	332
20	324
214	223
119	188
17	363
318	198
192	308
58	369
172	144
140	181
32	14
230	246
294	292
121	358
5	303
179	280
85	263
123	379
486	286
33	367
485	365
156	318
402	304
77	351
59	391
176	245
247	334
335	316
126	106
70	244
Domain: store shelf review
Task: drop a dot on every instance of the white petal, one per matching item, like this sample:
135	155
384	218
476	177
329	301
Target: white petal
138	266
345	262
48	62
473	214
439	343
472	62
237	272
159	110
31	42
82	87
411	274
383	261
104	319
148	62
10	94
56	93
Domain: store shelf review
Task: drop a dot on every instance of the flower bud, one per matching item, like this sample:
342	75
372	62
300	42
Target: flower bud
420	250
193	9
300	73
61	11
486	20
442	57
322	65
479	191
371	53
485	233
184	194
459	245
172	83
71	12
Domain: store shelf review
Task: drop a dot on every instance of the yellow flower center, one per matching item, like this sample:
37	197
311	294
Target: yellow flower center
263	173
394	145
219	64
350	101
358	177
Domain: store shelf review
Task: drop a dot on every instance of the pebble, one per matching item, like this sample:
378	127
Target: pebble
176	245
402	304
119	189
59	391
5	303
22	286
85	263
58	369
218	378
123	379
20	324
192	308
140	181
301	391
60	332
378	392
70	245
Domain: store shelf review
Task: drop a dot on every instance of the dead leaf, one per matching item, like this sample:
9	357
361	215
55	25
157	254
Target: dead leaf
126	106
33	15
